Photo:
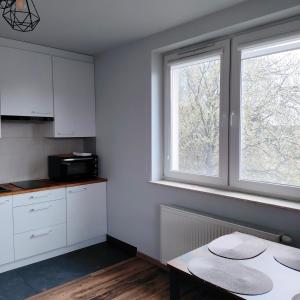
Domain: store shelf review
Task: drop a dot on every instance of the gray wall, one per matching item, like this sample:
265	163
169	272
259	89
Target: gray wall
123	85
24	150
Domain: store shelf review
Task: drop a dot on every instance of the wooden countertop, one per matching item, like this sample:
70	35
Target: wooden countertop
14	190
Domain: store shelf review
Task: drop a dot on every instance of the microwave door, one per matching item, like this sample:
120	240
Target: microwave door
77	168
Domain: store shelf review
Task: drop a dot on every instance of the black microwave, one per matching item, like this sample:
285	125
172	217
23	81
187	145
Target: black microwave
67	167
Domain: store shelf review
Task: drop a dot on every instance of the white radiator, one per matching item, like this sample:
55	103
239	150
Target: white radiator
182	230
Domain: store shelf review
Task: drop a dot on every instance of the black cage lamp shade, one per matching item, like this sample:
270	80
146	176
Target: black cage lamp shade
21	15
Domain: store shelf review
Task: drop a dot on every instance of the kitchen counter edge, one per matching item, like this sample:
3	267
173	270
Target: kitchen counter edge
14	190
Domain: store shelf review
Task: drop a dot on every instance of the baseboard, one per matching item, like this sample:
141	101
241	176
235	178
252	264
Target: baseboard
151	260
51	254
131	250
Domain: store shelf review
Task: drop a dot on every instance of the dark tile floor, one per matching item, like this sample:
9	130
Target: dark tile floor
33	279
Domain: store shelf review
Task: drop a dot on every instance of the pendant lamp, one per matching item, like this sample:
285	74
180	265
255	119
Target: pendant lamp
21	15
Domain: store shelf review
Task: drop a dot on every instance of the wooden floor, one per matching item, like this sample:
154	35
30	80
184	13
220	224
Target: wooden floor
132	279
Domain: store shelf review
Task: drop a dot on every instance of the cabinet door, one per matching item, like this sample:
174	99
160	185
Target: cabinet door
74	98
25	83
86	212
6	232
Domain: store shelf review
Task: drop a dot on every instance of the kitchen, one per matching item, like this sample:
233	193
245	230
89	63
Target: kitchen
36	212
125	145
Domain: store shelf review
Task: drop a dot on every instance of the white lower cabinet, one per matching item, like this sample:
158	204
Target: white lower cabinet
6	232
41	224
86	212
39	241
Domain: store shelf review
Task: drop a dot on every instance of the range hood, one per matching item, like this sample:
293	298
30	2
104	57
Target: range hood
30	118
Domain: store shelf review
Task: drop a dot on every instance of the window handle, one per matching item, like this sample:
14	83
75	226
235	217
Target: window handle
232	119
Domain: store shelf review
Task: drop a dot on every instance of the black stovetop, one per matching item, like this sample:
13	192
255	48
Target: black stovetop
33	184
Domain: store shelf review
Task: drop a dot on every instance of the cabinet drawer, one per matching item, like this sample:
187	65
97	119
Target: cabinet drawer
39	215
39	241
39	197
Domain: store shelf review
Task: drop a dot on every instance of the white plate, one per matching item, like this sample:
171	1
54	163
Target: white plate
82	154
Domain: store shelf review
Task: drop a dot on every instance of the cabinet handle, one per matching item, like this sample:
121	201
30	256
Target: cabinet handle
77	191
39	197
40	113
4	202
34	236
39	209
66	133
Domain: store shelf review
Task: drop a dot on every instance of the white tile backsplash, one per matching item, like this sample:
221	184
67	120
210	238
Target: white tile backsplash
23	129
24	150
56	146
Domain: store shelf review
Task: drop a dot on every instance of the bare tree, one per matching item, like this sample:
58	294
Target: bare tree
199	99
270	118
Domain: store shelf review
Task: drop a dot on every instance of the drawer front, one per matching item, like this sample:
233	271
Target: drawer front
39	241
39	197
39	215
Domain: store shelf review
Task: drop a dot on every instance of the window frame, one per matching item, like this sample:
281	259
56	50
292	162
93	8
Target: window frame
271	34
266	33
208	49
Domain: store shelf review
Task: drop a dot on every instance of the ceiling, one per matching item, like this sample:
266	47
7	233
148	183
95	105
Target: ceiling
91	26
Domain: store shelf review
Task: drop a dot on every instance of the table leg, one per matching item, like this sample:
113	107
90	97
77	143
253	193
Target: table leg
174	285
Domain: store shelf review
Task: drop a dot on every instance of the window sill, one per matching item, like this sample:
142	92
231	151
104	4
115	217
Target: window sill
286	204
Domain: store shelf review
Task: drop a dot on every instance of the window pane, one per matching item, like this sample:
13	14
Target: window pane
270	118
195	102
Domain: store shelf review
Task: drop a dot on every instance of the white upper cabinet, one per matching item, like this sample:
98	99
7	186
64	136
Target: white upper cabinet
25	83
74	98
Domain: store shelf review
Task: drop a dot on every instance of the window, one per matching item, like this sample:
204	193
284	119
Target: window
266	101
197	94
253	146
270	116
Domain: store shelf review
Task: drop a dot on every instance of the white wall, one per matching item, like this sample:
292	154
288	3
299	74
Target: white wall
123	83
